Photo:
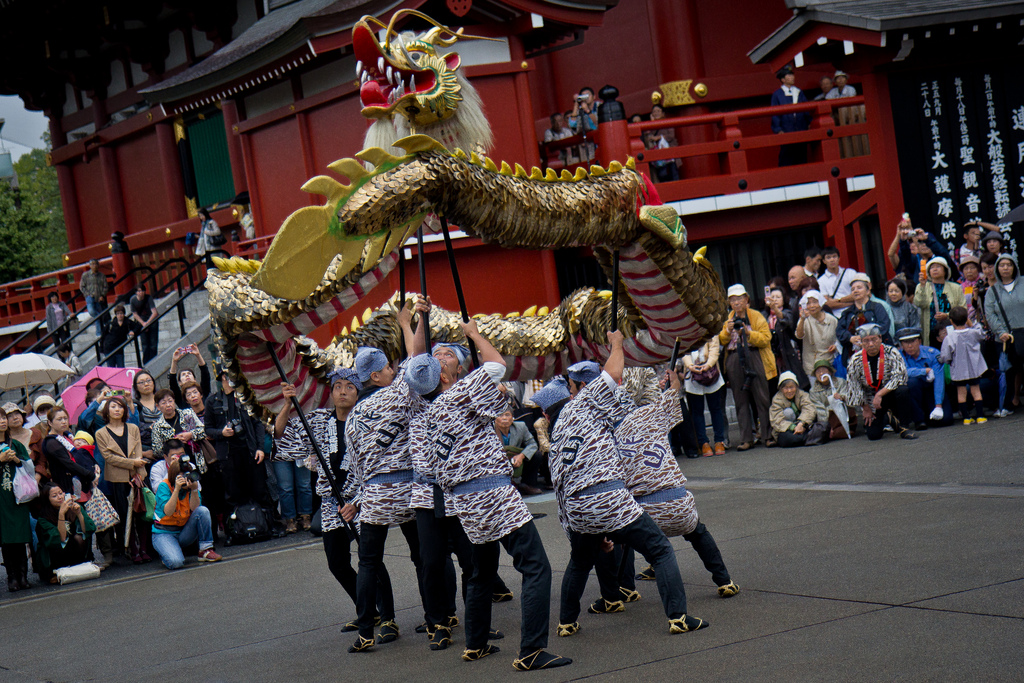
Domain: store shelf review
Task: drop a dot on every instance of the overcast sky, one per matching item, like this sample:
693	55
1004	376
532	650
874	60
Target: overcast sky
23	129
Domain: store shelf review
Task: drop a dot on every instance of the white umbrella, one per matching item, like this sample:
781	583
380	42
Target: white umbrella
839	408
30	369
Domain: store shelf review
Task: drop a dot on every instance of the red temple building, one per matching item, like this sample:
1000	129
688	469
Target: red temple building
158	108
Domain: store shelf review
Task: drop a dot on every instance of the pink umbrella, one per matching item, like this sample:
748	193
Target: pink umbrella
116	378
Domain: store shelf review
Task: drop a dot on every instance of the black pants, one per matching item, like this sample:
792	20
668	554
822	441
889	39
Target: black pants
337	544
15	561
440	537
371	559
701	540
792	439
897	402
119	499
683	437
213	492
245	479
531	467
530	560
642	534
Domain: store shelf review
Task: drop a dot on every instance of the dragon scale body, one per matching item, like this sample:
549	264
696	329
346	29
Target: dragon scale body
665	293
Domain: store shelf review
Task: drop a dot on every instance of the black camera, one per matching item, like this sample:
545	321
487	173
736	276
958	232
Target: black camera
188	470
236	425
581	99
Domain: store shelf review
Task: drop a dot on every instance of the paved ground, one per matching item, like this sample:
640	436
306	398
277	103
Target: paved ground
858	561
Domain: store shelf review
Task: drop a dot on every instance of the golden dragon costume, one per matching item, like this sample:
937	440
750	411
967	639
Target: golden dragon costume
430	132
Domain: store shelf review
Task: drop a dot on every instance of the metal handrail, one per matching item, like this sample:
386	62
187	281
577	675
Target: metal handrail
179	305
6	349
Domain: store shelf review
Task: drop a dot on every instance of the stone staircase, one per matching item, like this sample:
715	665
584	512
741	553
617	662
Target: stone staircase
197	331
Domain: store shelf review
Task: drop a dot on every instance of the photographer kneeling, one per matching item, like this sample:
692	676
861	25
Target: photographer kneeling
182	520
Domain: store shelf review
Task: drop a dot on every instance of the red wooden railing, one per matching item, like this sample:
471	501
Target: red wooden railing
25	300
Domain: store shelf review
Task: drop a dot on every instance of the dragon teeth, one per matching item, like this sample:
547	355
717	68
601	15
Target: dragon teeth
380	64
359	70
412	84
390	75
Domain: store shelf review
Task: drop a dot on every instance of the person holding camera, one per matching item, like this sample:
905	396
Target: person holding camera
177	423
177	379
583	121
64	531
749	364
238	439
179	518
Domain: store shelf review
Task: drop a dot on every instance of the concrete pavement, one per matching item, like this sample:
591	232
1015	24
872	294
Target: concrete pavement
858	561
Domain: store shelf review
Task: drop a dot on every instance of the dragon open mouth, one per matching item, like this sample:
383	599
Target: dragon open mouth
384	82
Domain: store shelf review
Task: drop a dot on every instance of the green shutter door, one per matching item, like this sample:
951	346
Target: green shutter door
209	145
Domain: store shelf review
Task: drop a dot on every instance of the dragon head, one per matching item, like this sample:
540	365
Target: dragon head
407	74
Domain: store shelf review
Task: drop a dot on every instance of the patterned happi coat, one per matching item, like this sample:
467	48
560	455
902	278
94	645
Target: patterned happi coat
464	446
649	466
583	454
294	445
377	441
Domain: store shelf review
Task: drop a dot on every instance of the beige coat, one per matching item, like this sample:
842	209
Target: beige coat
804	406
923	296
118	468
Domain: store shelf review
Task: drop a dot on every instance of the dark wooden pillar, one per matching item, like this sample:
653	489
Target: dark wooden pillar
66	183
170	165
230	110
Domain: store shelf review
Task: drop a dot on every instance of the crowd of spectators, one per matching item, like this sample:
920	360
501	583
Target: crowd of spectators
822	357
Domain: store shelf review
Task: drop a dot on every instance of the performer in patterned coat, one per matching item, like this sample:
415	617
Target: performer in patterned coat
653	476
876	382
379	485
470	465
594	499
328	427
441	533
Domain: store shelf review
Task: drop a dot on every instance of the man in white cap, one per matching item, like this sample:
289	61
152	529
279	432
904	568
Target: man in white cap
749	364
877	383
469	463
379	484
593	498
840	87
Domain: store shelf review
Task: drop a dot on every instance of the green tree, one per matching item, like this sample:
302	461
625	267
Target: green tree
33	234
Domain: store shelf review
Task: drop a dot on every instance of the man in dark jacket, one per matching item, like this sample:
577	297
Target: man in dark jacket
238	439
788	93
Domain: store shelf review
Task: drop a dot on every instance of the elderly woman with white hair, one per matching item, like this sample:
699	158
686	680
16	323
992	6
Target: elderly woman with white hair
817	329
936	296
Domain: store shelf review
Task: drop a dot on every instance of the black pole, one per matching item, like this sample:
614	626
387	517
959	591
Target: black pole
675	357
401	296
424	316
615	290
458	286
324	464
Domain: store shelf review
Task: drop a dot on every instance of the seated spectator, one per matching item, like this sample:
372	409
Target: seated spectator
825	388
926	378
662	138
520	447
176	379
902	311
817	330
782	324
935	296
238	439
177	423
749	364
179	519
863	311
121	329
64	531
835	282
970	278
560	131
793	416
962	350
702	380
877	384
841	88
